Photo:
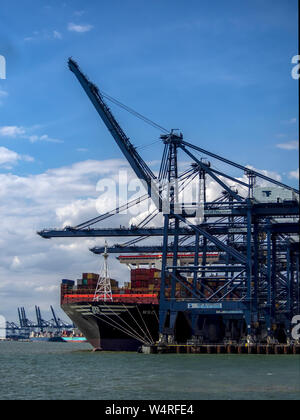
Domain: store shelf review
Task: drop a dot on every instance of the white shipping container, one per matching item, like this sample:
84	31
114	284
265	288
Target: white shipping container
274	195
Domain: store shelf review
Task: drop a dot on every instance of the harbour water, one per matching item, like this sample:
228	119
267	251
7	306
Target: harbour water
70	371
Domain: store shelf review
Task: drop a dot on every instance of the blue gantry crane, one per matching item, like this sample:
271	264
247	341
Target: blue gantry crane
23	330
41	324
15	332
58	323
253	290
24	321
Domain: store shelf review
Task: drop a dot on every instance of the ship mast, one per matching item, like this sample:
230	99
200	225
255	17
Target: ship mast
103	290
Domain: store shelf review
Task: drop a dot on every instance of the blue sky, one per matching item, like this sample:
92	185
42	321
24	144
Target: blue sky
219	71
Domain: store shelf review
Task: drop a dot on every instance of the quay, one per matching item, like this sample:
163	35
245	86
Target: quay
275	349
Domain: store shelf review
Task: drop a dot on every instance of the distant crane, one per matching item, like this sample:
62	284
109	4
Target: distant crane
24	321
41	323
26	327
58	323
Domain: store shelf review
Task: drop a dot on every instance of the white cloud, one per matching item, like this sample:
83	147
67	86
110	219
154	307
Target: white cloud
44	35
31	268
72	27
290	121
11	131
44	137
270	174
79	12
294	174
9	157
16	263
76	211
291	145
21	132
3	94
57	35
27	158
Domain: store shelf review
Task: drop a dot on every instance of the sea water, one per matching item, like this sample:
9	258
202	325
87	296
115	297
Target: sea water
70	371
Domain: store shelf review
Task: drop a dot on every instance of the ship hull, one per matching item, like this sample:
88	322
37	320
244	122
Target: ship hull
115	326
74	339
47	339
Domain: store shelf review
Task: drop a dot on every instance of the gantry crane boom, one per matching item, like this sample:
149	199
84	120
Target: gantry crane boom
275	210
243	168
55	317
139	166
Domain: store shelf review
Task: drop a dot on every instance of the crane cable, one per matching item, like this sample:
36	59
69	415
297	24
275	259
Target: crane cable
133	112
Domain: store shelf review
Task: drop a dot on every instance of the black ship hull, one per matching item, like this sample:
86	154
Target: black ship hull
115	326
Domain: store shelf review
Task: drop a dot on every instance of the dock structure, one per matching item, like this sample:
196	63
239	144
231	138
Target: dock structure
266	349
251	292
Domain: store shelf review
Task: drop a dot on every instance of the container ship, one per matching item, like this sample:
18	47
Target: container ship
124	317
65	336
